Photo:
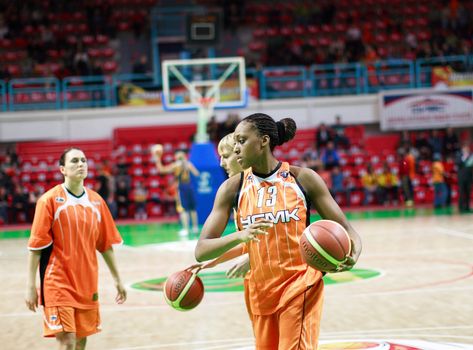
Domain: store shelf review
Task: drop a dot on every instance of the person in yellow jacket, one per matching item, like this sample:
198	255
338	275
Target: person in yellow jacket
369	182
388	185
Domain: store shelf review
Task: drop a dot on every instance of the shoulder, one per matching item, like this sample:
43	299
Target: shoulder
93	196
55	193
307	177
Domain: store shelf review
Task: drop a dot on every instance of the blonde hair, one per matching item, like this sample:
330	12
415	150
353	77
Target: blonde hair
226	142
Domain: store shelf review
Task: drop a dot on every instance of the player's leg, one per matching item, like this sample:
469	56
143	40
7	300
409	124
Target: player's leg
265	329
195	223
87	323
184	221
80	343
67	341
59	322
299	321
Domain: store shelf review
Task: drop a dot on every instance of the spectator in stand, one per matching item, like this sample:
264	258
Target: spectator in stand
339	185
405	140
325	174
388	185
330	156
3	205
33	197
322	136
8	166
450	175
19	204
229	125
451	143
464	163
141	65
105	187
122	194
440	189
436	143
406	163
140	197
369	182
424	147
121	170
213	129
310	159
340	139
81	60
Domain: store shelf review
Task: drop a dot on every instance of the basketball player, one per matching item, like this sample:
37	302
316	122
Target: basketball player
186	204
228	161
284	294
70	223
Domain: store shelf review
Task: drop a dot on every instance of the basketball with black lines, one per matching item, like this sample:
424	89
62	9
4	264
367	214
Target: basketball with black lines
324	245
183	290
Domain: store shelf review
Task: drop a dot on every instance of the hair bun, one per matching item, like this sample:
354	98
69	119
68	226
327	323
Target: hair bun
281	132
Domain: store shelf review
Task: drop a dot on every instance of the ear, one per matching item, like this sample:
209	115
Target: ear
62	169
265	141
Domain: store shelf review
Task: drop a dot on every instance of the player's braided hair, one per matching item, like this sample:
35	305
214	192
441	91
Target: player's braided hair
279	132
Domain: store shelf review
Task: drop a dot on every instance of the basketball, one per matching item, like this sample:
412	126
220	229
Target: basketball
324	245
183	290
157	150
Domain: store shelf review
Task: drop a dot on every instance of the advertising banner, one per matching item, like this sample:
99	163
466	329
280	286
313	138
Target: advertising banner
425	109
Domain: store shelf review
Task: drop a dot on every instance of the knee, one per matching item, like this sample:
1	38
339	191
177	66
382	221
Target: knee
66	339
80	343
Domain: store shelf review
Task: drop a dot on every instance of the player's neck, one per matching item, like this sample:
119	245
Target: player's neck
266	166
74	187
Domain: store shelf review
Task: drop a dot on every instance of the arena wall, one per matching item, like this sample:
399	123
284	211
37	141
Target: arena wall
84	124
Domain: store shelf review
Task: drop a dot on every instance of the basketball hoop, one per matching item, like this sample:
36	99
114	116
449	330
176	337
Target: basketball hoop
207	102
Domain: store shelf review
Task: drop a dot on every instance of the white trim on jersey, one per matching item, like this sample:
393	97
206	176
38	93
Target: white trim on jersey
41	248
72	201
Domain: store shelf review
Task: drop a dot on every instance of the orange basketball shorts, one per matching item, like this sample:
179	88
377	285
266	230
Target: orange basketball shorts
296	326
59	319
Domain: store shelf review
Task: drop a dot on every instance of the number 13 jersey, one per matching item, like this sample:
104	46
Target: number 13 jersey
277	270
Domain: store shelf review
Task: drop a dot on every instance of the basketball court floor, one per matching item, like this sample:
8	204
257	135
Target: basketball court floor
411	289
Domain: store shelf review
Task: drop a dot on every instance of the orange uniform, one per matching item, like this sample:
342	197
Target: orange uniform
69	230
278	276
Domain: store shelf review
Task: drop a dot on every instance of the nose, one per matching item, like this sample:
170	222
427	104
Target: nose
236	149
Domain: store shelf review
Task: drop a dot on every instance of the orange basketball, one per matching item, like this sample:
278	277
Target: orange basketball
183	290
325	245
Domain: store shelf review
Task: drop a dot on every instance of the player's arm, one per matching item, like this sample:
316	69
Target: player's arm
228	255
165	169
211	244
328	208
109	257
31	297
193	169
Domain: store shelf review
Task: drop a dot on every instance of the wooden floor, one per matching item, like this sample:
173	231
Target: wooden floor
425	292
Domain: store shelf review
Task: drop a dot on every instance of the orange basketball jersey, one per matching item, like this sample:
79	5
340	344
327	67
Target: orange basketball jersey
69	230
278	272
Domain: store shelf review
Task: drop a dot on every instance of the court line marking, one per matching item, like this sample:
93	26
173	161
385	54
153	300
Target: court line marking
201	342
455	233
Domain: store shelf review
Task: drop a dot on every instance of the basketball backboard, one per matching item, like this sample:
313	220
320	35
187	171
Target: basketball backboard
204	85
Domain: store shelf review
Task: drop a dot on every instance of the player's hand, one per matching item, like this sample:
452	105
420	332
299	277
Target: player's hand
255	230
203	265
31	298
121	293
346	265
350	260
239	270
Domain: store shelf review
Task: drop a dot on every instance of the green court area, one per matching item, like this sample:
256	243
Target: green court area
218	282
139	234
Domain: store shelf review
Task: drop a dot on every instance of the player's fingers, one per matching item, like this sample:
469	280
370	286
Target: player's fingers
260	232
262	225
